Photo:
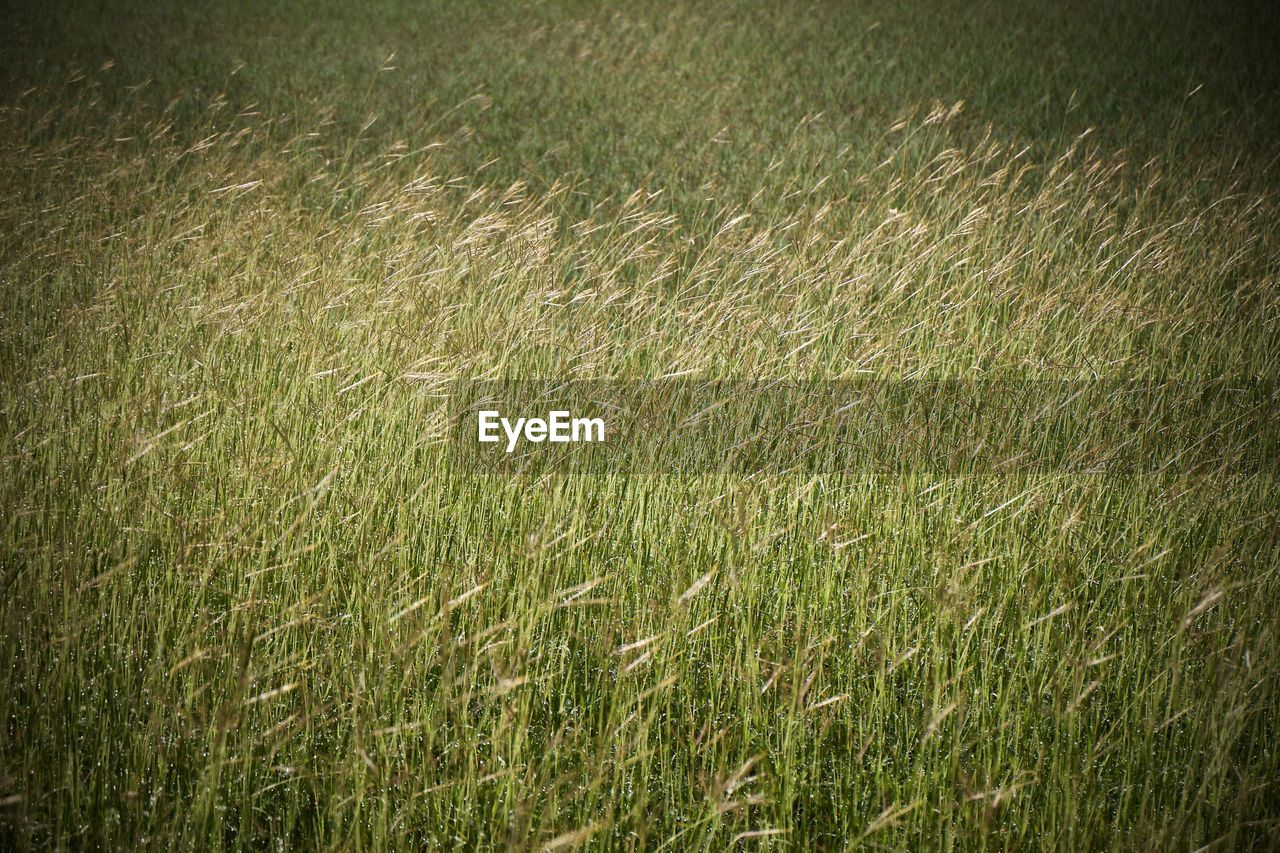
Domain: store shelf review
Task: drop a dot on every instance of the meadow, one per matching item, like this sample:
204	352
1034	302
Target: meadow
250	598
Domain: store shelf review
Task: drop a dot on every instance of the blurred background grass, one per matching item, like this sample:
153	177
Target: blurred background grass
629	95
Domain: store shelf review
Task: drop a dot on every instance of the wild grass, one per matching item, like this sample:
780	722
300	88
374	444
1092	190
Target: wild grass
250	600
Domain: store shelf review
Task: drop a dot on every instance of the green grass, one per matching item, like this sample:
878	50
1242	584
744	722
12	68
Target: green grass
250	598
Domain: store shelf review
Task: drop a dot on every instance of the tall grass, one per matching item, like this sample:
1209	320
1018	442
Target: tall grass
250	599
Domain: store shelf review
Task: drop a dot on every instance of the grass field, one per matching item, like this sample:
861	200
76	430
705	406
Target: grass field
251	599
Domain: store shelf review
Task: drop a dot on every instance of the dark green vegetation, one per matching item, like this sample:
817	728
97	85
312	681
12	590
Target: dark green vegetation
246	597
